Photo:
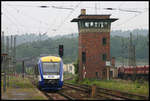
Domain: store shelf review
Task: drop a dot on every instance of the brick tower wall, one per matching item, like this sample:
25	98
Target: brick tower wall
91	43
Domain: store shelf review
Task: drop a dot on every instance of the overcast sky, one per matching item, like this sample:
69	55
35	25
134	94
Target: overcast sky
27	17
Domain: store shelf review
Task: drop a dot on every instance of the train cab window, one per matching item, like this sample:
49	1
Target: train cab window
51	68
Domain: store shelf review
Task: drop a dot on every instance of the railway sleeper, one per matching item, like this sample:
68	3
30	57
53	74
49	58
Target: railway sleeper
66	96
109	97
115	95
124	94
78	88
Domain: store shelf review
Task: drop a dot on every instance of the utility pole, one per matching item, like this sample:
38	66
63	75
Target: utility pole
3	63
4	78
2	44
134	56
7	60
6	65
14	54
148	46
40	36
12	67
130	51
95	8
122	52
23	69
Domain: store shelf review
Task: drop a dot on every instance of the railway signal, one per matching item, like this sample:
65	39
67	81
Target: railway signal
61	50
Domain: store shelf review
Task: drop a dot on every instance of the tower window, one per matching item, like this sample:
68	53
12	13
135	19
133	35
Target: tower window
99	24
92	24
104	41
96	74
102	25
104	57
96	24
83	57
82	24
87	24
105	24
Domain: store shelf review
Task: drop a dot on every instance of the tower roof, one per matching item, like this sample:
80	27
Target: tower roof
87	17
79	19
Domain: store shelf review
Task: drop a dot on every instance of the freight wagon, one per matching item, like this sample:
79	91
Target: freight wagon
134	72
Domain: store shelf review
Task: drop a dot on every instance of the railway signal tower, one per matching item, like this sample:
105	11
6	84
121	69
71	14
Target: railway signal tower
94	44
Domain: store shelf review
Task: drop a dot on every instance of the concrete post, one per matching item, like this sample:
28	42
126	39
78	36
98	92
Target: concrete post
108	69
4	78
93	90
23	69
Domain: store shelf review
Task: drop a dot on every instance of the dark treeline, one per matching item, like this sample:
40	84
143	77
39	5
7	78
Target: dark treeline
70	42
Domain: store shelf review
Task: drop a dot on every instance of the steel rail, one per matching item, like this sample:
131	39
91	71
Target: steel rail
66	96
115	93
47	93
77	87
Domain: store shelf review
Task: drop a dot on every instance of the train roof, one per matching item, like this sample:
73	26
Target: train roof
50	59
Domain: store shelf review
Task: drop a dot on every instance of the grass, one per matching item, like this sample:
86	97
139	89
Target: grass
70	76
67	75
25	86
37	97
20	82
122	85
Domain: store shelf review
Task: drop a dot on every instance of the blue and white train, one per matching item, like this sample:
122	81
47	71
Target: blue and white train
49	73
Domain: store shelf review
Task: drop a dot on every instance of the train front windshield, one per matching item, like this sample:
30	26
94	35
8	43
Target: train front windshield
51	68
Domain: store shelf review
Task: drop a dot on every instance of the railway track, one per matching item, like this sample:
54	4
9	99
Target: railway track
109	93
57	96
75	92
52	95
